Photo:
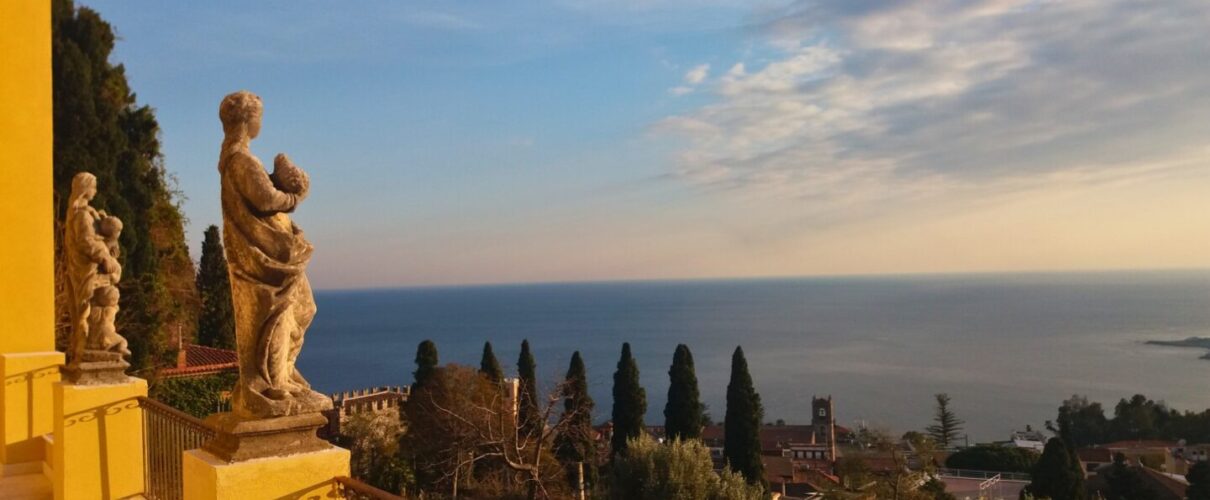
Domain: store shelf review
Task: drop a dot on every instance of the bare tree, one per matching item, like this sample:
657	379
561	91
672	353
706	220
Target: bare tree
463	434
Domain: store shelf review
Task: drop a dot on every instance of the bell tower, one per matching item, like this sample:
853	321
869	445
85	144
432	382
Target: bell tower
823	422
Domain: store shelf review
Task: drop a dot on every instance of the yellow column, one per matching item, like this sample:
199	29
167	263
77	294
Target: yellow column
305	475
28	362
98	449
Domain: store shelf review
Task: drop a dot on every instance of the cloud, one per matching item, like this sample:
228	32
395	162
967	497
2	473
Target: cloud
692	79
698	74
852	104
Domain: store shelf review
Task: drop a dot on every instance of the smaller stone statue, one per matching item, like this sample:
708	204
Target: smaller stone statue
90	240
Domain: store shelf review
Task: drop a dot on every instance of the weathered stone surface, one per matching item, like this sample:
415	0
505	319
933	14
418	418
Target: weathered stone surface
267	255
98	368
239	439
90	240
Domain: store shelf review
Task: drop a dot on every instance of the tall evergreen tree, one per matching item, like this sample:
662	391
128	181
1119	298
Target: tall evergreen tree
99	127
574	444
527	407
1054	477
426	363
683	411
489	366
947	427
1125	483
741	426
1199	481
216	321
629	402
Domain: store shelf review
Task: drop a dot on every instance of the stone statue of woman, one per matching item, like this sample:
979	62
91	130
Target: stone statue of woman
267	258
90	242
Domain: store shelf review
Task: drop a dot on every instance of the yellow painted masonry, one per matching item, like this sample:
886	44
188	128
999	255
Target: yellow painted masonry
98	448
27	278
28	404
306	475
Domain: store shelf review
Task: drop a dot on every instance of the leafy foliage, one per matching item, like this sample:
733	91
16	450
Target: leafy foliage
993	458
1083	423
1125	483
935	489
99	127
489	366
216	321
527	372
629	402
683	411
741	424
1057	474
678	470
426	363
948	426
575	443
197	396
373	439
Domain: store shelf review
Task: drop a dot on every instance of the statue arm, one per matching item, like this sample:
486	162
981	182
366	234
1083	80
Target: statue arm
255	186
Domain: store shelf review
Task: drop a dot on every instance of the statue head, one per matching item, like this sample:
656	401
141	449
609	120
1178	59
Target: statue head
240	113
83	188
110	228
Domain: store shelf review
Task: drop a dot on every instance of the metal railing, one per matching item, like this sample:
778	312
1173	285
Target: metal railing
167	434
353	489
982	474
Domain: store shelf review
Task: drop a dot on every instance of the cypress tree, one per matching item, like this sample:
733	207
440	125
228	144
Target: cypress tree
99	127
683	412
1054	476
527	407
741	427
489	366
216	321
1126	483
574	443
426	363
945	431
629	402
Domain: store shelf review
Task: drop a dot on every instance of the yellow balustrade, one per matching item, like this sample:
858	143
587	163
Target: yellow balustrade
98	450
305	475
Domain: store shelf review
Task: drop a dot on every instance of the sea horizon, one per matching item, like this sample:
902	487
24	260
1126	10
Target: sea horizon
1008	347
795	277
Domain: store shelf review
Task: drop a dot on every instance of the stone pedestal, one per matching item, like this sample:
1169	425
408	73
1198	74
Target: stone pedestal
97	368
239	440
303	475
27	397
98	444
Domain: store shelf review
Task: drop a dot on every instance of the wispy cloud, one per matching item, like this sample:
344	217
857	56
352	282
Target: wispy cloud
692	79
846	104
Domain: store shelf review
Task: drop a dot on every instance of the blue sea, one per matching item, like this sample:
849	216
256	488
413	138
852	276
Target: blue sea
1008	348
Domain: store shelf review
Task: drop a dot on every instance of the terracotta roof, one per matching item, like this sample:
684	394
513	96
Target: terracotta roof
201	360
769	434
1137	444
1097	455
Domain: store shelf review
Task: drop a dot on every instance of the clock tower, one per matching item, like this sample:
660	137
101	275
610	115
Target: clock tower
823	422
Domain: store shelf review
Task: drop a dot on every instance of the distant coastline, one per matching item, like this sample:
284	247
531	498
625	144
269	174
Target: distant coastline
1195	342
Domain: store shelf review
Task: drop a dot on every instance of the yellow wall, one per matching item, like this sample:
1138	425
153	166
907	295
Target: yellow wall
26	142
98	450
28	404
307	475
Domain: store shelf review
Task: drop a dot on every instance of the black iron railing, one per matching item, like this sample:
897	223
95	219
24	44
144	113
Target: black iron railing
353	489
167	434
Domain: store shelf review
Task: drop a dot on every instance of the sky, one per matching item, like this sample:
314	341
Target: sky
571	140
